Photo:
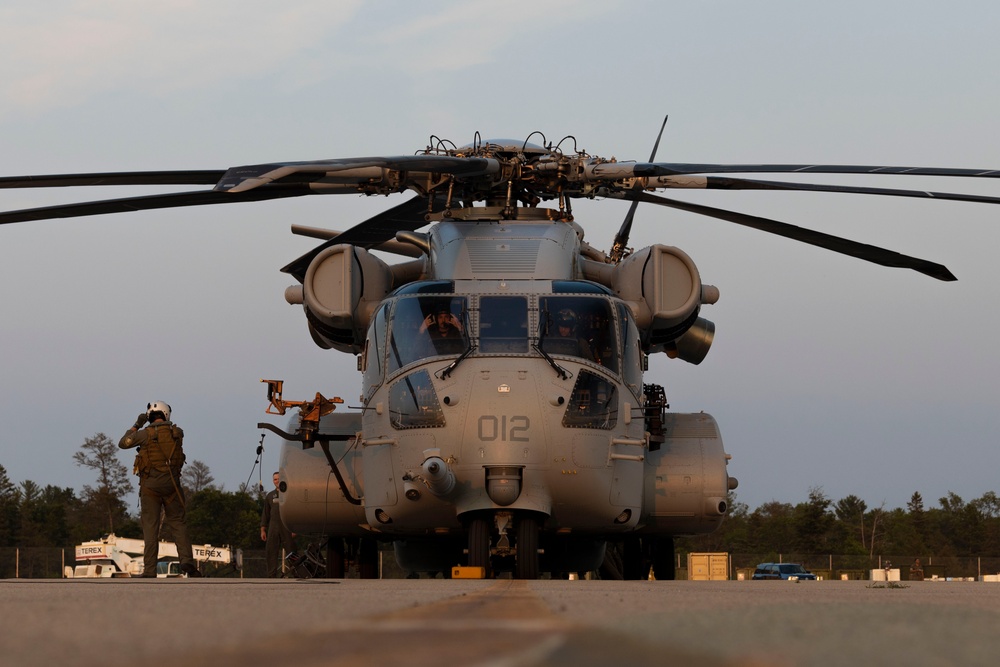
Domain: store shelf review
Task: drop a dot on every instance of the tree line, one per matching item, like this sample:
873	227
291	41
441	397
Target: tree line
35	516
849	527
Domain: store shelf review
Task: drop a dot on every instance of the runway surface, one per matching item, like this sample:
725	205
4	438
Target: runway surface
223	622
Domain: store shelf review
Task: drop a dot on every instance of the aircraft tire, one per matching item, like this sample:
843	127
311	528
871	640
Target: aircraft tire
335	558
479	543
633	562
664	567
368	559
526	562
611	566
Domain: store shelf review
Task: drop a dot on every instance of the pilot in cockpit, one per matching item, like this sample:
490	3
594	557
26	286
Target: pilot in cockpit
445	331
563	338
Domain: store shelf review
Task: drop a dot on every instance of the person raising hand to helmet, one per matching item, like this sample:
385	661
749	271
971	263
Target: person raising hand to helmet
158	464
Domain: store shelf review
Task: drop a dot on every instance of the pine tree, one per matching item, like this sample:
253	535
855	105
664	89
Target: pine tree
9	510
100	453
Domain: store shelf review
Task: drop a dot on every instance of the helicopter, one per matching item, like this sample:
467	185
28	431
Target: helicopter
505	424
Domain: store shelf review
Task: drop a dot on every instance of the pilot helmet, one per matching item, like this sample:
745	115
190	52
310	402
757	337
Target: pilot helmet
158	406
566	318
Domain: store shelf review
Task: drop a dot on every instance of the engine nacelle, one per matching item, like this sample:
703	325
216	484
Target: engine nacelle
664	283
686	482
694	344
341	288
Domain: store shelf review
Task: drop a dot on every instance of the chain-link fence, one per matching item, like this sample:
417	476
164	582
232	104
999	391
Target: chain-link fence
51	563
34	562
830	566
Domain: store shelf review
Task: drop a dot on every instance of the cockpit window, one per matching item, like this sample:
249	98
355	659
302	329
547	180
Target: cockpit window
632	361
503	324
374	351
413	403
423	326
427	326
579	326
594	403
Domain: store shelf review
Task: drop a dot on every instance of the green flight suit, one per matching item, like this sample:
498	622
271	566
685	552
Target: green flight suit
161	453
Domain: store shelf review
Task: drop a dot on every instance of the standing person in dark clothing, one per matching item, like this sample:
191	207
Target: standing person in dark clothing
274	532
158	464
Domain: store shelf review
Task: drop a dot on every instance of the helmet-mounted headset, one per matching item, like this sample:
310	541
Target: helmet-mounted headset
158	406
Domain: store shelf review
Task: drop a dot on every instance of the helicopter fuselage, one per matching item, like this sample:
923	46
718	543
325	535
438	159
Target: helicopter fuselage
501	385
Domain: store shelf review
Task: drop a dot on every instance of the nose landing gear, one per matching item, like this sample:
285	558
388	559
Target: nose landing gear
526	558
490	543
479	544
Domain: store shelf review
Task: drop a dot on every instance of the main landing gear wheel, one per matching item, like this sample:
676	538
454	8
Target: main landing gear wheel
335	558
368	558
479	544
664	566
526	560
633	560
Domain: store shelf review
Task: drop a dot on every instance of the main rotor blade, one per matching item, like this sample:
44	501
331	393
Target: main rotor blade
148	202
240	179
729	183
869	253
656	145
678	168
191	177
621	238
408	216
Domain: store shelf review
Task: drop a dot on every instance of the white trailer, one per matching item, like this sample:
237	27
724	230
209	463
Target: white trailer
113	556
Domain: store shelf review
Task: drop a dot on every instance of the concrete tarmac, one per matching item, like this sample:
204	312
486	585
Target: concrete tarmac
498	623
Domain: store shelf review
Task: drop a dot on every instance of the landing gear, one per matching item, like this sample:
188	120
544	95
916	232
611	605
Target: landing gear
334	557
526	559
664	566
634	563
630	558
479	543
368	558
490	547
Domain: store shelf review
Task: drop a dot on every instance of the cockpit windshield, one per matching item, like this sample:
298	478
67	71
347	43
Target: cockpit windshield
578	326
427	326
503	324
422	326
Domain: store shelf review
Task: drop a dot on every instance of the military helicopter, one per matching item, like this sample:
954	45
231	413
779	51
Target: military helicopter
505	424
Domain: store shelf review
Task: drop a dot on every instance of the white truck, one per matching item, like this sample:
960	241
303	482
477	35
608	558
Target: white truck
113	556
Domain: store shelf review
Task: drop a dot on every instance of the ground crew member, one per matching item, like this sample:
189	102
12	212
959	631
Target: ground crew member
158	465
274	531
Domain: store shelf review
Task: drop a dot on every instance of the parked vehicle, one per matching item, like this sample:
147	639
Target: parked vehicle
782	571
113	556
